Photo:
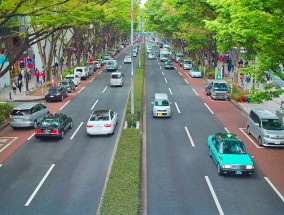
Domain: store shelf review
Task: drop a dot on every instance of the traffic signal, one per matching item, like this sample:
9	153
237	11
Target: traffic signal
22	63
29	60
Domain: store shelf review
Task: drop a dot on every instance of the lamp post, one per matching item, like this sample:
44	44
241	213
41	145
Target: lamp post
132	63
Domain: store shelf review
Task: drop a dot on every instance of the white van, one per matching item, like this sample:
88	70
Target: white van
82	71
116	79
75	78
266	127
111	65
161	105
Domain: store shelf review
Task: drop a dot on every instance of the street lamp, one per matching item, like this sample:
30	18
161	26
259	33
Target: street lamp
132	63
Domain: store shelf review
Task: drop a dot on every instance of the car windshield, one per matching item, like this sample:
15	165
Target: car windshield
195	70
110	63
52	90
272	124
161	102
20	112
220	86
164	55
99	116
116	76
187	62
63	83
179	55
50	122
233	147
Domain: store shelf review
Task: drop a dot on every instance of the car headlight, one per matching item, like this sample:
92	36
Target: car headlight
249	167
266	135
227	166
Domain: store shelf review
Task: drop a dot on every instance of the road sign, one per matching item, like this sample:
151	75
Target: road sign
218	73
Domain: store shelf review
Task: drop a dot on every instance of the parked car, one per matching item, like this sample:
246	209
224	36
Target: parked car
27	115
230	154
186	64
68	84
116	79
178	57
56	93
168	64
151	56
127	59
92	67
100	61
54	125
82	71
195	73
217	89
75	78
102	122
98	64
266	127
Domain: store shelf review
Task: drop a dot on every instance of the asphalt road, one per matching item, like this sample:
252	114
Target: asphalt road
65	176
181	177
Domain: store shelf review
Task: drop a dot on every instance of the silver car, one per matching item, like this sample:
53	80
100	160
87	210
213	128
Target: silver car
28	115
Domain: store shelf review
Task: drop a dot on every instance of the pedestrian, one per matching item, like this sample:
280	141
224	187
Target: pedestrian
37	76
20	85
43	76
267	76
14	87
20	77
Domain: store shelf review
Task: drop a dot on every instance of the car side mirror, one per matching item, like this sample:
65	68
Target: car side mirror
257	124
252	157
152	103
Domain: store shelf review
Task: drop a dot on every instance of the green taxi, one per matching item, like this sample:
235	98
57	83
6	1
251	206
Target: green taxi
230	155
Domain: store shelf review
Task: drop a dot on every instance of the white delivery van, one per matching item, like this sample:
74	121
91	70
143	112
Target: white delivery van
161	105
116	79
82	71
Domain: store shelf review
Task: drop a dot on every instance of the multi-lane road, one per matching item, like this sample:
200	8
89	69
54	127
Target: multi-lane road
68	176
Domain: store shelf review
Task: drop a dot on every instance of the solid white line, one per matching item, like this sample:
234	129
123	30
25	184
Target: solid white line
189	137
170	91
179	73
1	164
81	90
119	67
30	137
177	107
274	188
64	105
39	185
160	67
100	72
105	89
214	196
166	80
186	81
195	91
251	140
163	73
226	130
76	131
208	108
8	143
94	105
92	79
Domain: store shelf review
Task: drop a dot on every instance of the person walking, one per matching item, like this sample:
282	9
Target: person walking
14	87
37	76
43	76
20	85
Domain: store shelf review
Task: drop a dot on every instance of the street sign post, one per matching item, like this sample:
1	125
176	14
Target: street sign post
218	73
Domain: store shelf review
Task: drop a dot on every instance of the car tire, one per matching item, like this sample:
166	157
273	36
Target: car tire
35	124
248	129
62	135
210	153
62	97
219	170
71	125
259	140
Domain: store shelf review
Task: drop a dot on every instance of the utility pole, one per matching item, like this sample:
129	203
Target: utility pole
132	63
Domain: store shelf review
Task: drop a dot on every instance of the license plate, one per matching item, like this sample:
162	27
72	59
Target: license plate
160	114
46	131
98	128
238	172
51	96
277	142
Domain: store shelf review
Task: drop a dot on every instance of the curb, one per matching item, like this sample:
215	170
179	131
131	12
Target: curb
4	125
28	100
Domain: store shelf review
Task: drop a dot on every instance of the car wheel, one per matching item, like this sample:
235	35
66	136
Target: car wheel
35	124
259	141
210	153
62	135
62	98
248	130
71	125
219	170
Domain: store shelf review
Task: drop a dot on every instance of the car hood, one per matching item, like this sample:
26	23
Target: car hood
243	159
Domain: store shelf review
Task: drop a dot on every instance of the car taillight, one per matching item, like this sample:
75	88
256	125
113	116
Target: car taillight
90	126
38	131
46	94
58	94
54	131
107	125
68	87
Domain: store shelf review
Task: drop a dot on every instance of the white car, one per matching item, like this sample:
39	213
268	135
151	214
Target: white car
195	73
98	64
102	122
127	59
151	56
134	54
75	78
116	79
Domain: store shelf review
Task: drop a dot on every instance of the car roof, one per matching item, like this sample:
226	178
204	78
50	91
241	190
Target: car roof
263	113
161	96
100	111
26	106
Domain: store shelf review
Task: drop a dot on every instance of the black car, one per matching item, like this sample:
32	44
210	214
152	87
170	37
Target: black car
56	93
169	65
68	84
54	125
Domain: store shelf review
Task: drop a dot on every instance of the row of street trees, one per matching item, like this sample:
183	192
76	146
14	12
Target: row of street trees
218	26
91	24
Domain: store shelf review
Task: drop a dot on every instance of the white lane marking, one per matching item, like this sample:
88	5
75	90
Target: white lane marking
208	108
76	131
166	80
14	138
100	72
195	91
226	130
30	137
119	67
92	79
177	107
39	185
105	89
274	188
94	105
214	196
170	91
163	73
189	137
251	140
64	105
186	81
179	73
1	164
160	67
81	90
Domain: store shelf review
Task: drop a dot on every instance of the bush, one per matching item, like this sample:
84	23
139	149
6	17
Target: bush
5	111
238	93
66	72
